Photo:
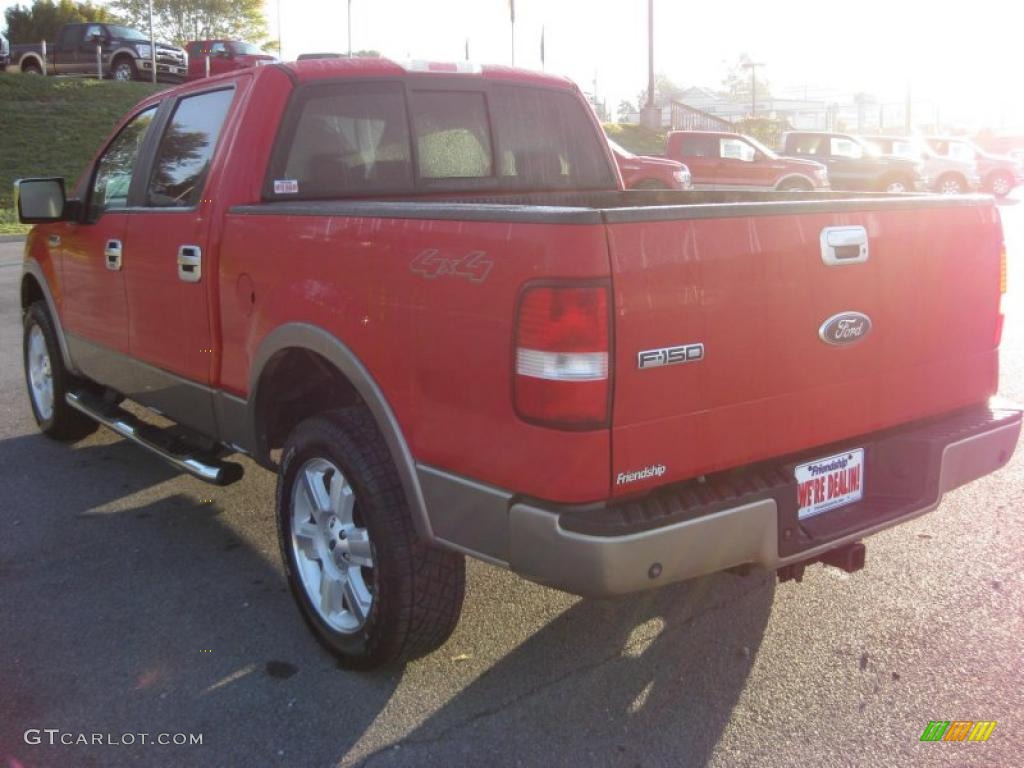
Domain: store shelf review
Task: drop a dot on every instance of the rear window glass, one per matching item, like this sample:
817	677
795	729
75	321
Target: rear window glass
353	139
452	134
350	139
699	145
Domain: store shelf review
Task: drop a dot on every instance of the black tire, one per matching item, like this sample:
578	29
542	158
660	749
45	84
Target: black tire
416	590
31	68
889	182
794	185
64	422
951	184
123	70
999	183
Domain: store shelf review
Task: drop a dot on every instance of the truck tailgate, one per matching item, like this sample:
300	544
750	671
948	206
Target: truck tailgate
749	283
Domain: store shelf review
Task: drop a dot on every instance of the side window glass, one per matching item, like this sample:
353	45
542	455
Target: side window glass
351	138
114	170
734	149
698	146
452	135
183	157
846	148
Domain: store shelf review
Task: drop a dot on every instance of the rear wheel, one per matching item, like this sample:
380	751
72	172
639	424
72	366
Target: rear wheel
369	589
999	184
951	184
897	184
48	380
795	185
31	68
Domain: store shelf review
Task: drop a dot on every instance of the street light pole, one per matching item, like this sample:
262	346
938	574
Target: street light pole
152	42
279	55
752	66
650	54
350	29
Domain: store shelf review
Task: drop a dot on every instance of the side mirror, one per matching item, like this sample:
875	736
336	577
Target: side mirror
39	201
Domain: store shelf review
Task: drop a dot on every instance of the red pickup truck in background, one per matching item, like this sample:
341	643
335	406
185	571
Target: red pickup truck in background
730	161
645	172
215	57
422	297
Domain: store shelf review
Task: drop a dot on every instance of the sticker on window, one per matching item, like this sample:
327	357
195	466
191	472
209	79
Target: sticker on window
286	187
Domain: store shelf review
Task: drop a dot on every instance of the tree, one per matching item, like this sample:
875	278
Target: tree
738	79
665	89
625	111
44	18
182	20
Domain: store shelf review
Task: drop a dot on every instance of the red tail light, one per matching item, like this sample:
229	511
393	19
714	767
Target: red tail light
562	346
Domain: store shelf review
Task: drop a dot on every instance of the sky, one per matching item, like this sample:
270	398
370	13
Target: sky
957	57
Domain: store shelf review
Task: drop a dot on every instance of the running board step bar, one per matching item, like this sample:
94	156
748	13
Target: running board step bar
169	448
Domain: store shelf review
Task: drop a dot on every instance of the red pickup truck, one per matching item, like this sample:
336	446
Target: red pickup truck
422	297
731	161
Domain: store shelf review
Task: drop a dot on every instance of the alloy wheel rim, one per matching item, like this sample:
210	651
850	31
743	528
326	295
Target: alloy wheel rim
1000	186
40	373
896	186
333	552
950	187
122	73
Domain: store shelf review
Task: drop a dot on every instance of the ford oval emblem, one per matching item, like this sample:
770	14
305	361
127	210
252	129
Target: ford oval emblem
845	328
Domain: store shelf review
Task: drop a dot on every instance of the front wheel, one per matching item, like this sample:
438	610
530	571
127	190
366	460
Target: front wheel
48	380
951	184
123	71
1000	184
369	589
897	184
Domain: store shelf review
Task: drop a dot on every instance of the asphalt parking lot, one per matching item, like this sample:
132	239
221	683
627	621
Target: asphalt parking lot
135	600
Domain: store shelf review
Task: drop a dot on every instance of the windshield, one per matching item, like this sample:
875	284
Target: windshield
246	49
126	33
619	149
770	154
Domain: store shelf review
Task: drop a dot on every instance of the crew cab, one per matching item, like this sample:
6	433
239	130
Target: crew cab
125	54
949	175
854	165
732	161
215	57
646	172
999	174
421	296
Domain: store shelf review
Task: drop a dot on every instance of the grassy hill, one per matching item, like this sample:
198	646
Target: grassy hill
636	138
52	126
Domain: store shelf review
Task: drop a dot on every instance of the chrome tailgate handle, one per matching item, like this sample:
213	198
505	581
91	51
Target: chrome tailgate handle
112	255
844	245
190	263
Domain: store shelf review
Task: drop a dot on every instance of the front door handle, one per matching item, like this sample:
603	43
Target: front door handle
112	253
190	263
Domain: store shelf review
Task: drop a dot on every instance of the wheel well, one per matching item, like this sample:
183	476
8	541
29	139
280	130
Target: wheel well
954	175
796	182
122	57
30	62
892	176
31	292
294	385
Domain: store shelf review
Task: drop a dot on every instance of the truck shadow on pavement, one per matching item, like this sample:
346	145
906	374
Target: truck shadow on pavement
131	606
136	600
649	679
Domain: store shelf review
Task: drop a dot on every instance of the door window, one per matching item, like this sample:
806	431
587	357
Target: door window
114	170
183	157
962	152
698	145
846	148
734	149
93	33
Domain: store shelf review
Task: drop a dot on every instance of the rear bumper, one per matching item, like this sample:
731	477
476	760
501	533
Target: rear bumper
749	516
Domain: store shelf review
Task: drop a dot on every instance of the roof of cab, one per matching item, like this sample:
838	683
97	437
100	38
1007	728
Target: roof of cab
326	69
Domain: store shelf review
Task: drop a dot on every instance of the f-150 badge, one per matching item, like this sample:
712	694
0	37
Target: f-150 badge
684	353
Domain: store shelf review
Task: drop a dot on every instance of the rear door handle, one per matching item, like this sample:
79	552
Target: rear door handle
190	263
112	254
844	245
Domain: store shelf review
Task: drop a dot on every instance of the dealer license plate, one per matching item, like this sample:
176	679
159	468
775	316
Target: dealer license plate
830	483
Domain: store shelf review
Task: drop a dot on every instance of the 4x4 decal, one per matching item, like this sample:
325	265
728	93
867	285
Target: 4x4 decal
474	266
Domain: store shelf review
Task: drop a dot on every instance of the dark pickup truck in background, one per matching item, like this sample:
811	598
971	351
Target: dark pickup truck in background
854	165
125	55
